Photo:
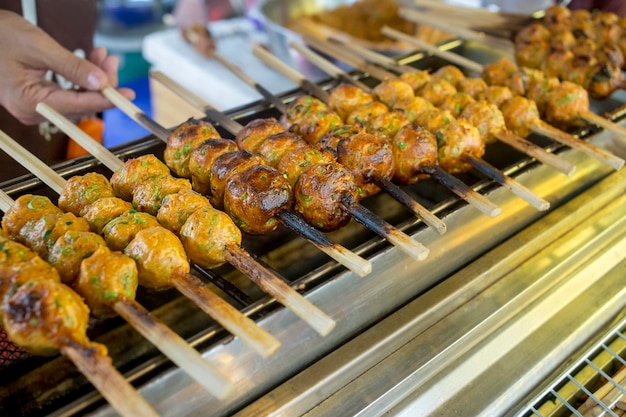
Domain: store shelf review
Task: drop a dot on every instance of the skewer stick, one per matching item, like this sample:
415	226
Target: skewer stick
279	289
588	116
307	311
374	57
339	253
536	152
108	381
519	143
392	189
227	316
289	72
397	238
135	113
416	208
452	57
462	190
349	58
174	347
508	183
161	336
604	123
251	82
466	193
327	66
461	32
573	142
342	255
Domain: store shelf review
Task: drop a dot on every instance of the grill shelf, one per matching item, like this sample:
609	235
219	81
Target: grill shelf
594	385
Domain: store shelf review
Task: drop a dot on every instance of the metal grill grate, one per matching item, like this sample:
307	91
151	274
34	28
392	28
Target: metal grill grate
9	353
595	385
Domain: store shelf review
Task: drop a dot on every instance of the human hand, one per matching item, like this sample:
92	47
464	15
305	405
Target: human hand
28	53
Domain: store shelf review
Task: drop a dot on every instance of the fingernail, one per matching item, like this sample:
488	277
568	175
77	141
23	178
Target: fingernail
96	80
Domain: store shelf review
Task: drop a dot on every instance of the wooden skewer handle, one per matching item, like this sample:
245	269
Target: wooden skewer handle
457	59
349	58
327	66
226	315
466	193
289	72
174	347
278	289
396	237
509	183
605	124
375	57
229	124
280	106
5	201
580	145
27	160
101	153
416	208
536	152
135	113
463	33
350	260
110	383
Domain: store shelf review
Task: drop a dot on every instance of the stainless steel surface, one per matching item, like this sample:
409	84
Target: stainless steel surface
356	303
474	344
594	385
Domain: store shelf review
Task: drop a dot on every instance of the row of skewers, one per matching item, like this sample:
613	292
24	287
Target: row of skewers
578	46
332	128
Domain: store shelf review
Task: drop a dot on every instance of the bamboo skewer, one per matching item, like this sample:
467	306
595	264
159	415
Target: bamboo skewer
192	287
486	169
566	139
504	180
342	255
349	58
161	336
108	381
97	368
410	246
251	82
464	33
517	142
417	209
469	195
502	25
174	347
290	219
297	303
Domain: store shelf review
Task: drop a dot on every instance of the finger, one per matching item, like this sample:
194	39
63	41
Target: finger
110	66
77	70
71	102
98	55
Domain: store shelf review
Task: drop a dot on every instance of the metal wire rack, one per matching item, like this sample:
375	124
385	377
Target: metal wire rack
595	385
